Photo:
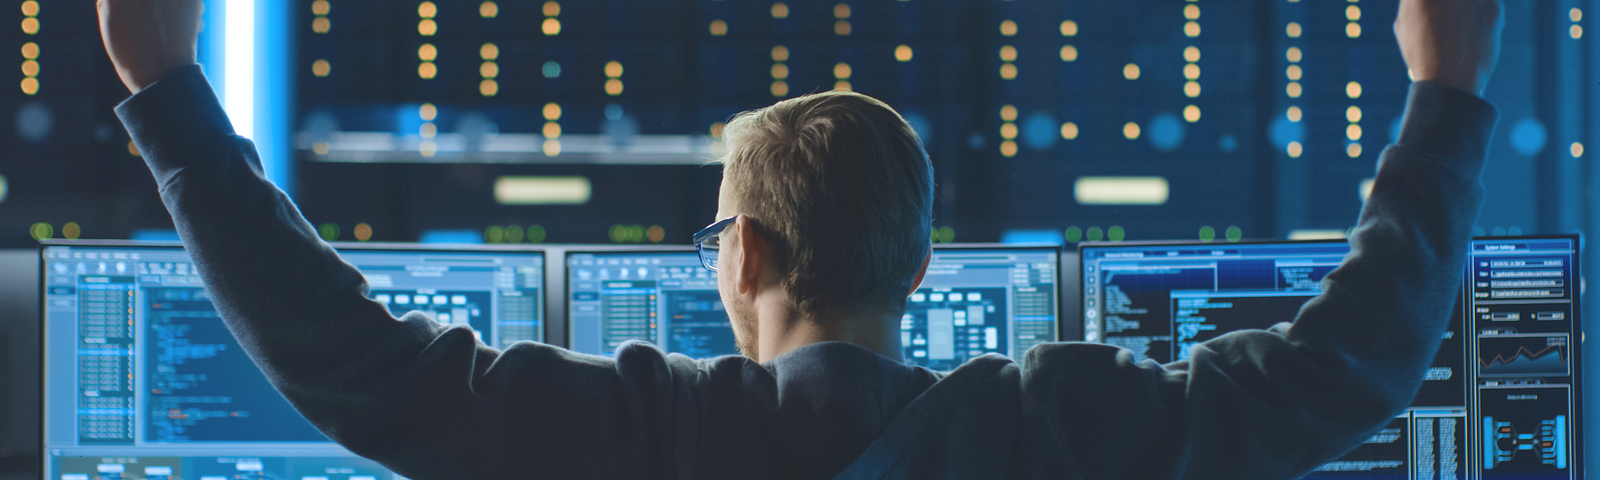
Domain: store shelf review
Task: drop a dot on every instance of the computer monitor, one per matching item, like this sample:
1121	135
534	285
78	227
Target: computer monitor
142	380
1502	399
975	299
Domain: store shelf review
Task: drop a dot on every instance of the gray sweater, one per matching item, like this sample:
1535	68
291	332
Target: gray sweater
432	402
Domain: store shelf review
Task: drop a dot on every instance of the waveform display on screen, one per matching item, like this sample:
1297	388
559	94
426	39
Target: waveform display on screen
1527	355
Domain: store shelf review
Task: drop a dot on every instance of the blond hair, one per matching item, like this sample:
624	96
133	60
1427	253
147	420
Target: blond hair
842	189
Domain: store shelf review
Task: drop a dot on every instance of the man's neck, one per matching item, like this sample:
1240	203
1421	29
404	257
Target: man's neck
782	328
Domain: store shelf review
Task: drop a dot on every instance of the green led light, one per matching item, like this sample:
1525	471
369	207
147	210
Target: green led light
1207	233
494	234
513	234
329	232
1095	234
41	231
1074	234
1116	234
535	234
1234	234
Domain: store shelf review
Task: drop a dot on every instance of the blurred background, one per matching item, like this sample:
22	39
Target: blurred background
594	121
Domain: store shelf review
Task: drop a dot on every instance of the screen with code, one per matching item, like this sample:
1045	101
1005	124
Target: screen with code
159	388
1500	400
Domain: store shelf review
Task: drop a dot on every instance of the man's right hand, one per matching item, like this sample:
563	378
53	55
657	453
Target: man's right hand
147	39
1453	42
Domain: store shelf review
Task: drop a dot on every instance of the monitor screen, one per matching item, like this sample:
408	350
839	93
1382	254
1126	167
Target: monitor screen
974	300
142	380
1500	400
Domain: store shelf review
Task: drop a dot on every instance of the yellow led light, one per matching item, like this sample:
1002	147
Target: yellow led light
1191	113
1293	114
551	130
427	27
1191	11
71	230
488	10
363	232
1294	73
319	7
780	71
841	11
30	50
1008	148
427	52
489	70
30	68
133	149
613	87
1293	90
1008	71
1353	13
427	70
427	10
1353	114
613	69
1191	53
780	10
321	68
780	88
1069	53
1293	54
716	129
30	8
428	130
1130	71
1352	30
552	148
1069	131
321	25
427	148
719	28
1008	130
1353	89
551	26
320	148
1294	150
1008	28
551	9
1069	28
1353	149
1577	148
841	27
30	25
780	53
552	112
1191	89
841	70
427	112
1008	53
842	85
1576	31
489	51
1008	113
1576	14
1353	132
1130	130
1293	29
1191	71
902	53
1191	29
30	85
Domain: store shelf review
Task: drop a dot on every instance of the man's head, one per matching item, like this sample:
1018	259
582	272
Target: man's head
836	193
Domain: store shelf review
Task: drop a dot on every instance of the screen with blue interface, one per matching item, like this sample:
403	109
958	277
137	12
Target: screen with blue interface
973	301
1501	400
143	380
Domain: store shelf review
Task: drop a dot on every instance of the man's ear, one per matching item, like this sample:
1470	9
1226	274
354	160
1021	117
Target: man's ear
747	267
916	284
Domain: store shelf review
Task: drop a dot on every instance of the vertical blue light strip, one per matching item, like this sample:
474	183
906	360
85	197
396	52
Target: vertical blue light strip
273	97
239	69
1561	441
1488	443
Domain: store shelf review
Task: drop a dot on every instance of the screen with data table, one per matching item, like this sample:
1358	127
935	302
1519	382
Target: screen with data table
1501	400
974	300
143	380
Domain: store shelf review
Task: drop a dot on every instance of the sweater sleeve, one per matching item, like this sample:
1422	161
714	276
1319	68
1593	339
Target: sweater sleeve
1279	403
425	400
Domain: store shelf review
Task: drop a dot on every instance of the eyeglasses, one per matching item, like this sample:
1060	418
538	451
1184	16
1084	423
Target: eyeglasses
707	241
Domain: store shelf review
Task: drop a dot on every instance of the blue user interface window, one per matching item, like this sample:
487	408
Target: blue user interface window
1499	400
143	380
972	302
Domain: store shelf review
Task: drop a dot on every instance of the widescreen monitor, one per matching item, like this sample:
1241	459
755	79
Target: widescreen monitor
1501	401
974	300
142	380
